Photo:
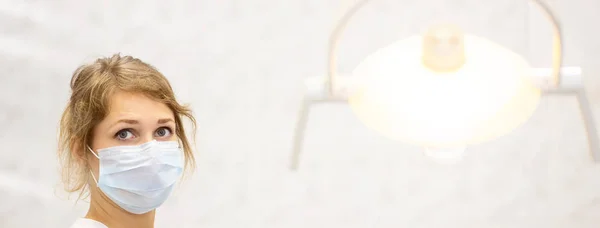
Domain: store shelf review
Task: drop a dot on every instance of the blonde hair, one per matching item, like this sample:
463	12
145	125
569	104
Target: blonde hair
91	88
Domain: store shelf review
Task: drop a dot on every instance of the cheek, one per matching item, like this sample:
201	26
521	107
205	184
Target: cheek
92	160
93	165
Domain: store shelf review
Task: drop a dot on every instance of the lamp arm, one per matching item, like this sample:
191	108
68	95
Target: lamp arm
299	130
334	43
557	40
557	46
590	124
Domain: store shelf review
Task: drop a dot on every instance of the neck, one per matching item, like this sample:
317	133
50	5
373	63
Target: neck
103	210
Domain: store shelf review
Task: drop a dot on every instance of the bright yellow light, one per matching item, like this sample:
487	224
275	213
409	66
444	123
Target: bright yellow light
489	96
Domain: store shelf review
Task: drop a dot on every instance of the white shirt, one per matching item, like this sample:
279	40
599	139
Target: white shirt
87	223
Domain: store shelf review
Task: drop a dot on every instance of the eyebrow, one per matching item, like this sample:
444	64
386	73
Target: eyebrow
166	120
130	121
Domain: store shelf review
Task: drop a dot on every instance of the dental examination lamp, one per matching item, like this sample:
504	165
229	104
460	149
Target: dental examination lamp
444	90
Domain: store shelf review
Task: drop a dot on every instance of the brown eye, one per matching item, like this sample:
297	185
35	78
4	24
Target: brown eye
163	132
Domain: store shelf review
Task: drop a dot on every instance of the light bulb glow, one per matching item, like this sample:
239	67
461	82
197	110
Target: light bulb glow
490	95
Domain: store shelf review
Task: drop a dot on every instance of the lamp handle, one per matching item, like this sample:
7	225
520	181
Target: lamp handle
557	57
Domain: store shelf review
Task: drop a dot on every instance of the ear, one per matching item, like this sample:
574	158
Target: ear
78	151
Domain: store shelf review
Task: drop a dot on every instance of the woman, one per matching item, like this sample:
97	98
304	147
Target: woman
122	141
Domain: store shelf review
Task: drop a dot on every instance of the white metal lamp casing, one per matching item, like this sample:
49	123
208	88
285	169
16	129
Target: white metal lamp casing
444	90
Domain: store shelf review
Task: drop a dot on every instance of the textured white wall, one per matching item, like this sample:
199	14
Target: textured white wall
241	65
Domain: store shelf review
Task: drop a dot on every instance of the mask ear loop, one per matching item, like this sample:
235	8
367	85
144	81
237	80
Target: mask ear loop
179	144
93	177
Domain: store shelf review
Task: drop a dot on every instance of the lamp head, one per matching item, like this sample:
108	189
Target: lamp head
443	89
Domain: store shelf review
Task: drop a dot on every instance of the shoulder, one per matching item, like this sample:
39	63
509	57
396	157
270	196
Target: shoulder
87	223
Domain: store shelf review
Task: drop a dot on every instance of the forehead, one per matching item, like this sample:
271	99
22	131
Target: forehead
136	106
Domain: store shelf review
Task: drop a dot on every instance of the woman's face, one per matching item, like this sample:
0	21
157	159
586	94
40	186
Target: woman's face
133	119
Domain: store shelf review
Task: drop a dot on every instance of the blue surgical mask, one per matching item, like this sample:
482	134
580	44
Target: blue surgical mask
139	178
